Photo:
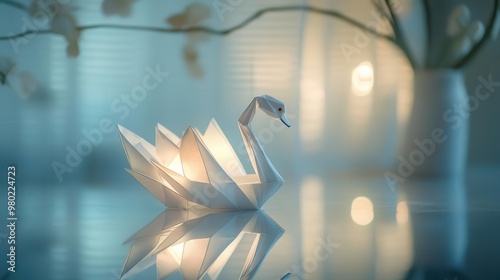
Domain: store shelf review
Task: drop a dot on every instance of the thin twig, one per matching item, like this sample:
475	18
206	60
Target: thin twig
399	35
15	4
428	22
255	16
3	78
481	43
381	10
26	33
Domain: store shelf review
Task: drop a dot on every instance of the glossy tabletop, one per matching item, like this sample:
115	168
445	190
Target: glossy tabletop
316	227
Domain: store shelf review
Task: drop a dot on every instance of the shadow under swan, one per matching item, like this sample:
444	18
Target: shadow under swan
208	244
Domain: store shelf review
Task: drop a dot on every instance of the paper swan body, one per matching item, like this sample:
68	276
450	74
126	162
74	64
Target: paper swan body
203	169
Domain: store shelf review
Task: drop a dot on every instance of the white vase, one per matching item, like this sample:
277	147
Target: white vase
436	137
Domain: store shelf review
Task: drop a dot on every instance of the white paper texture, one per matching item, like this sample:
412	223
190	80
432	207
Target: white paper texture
198	244
203	169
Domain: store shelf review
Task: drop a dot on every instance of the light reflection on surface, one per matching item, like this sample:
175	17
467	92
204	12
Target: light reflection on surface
447	234
439	229
198	244
312	216
362	211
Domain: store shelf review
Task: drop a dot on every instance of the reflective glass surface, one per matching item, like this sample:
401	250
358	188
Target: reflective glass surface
315	227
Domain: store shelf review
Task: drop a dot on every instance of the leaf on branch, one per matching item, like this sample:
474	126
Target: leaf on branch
22	82
121	8
62	21
193	15
6	64
177	21
191	59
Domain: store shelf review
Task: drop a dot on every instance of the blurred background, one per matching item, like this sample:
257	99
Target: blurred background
339	127
294	56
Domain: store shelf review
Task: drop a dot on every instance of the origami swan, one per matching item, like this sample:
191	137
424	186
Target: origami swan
203	169
202	245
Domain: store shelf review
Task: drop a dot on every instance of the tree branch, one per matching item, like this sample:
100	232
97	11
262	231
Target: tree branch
3	78
228	31
382	11
428	22
15	5
400	40
482	42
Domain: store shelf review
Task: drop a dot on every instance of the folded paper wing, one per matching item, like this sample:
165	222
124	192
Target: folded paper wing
203	244
196	170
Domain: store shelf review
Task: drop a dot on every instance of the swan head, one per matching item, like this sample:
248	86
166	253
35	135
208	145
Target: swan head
273	107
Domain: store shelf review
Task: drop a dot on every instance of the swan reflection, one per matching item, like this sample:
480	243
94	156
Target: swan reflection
208	244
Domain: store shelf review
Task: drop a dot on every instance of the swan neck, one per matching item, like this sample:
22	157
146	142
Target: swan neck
260	162
249	112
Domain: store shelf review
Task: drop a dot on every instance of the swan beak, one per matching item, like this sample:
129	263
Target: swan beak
285	121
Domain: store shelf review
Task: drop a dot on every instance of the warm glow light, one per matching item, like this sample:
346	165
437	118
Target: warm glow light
214	248
182	171
224	257
312	84
362	211
311	214
177	251
362	79
176	165
402	212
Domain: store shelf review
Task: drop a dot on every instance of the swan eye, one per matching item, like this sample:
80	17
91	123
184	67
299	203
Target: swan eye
280	109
